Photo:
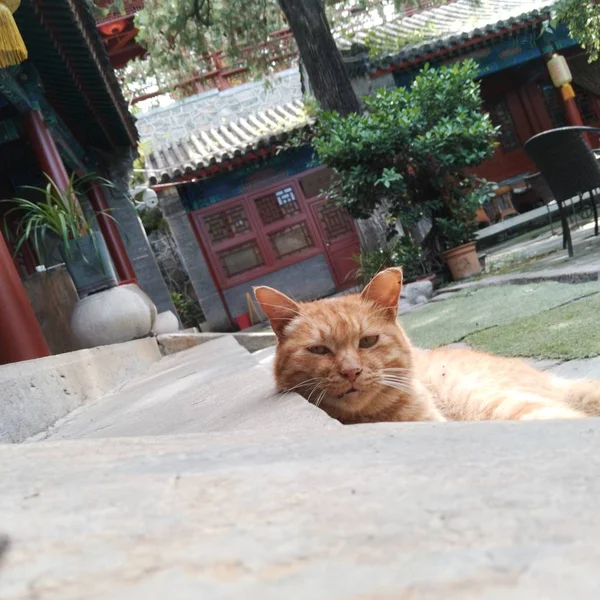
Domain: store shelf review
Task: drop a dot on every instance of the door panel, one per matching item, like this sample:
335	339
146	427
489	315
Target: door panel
338	232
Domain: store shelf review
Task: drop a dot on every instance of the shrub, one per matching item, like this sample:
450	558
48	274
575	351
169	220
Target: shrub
403	252
410	151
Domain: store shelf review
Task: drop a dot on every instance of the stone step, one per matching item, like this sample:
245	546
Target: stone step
35	394
450	510
217	386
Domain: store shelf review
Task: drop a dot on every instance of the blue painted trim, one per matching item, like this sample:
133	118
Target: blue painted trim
207	192
516	50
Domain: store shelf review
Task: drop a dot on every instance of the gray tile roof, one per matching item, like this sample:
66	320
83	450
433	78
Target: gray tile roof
204	149
399	38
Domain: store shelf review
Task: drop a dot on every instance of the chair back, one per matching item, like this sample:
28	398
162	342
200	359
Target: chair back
540	186
565	160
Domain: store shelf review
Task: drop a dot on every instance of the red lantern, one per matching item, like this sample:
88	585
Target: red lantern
113	28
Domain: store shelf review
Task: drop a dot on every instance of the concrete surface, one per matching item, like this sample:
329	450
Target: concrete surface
34	394
217	386
578	369
171	343
468	511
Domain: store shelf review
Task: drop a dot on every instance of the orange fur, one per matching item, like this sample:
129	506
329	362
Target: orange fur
321	356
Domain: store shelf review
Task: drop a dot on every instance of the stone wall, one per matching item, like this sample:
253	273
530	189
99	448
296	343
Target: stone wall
134	237
305	280
213	108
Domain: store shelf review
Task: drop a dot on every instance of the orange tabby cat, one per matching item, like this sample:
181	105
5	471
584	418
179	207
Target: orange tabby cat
350	356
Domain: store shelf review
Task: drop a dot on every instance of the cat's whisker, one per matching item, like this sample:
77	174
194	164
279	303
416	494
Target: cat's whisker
320	398
397	378
313	391
299	385
396	385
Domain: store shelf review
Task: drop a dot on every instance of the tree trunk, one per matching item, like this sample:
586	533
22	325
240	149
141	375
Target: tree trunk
322	59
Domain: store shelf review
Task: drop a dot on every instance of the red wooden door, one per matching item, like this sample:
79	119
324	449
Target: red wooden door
338	232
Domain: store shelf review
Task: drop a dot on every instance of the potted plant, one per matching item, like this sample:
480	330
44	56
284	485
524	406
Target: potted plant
58	215
458	230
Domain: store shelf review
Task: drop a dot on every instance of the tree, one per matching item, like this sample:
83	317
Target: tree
410	152
583	19
320	55
177	33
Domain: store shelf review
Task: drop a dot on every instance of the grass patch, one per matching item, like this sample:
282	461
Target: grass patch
470	311
568	332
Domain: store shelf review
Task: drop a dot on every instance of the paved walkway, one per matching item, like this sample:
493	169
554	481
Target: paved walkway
169	501
541	250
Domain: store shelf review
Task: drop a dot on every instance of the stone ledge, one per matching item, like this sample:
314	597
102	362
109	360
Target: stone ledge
36	393
171	343
581	275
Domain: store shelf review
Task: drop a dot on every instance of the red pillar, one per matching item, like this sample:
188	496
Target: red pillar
111	234
571	108
21	337
44	148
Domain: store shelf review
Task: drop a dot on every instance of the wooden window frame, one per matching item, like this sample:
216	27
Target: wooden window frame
260	232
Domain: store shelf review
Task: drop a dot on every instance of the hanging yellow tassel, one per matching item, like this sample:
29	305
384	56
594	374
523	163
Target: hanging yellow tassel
12	47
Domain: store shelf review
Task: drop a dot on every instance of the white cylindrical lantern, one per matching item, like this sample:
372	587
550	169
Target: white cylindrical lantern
559	70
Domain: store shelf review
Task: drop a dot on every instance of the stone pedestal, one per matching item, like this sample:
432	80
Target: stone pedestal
113	316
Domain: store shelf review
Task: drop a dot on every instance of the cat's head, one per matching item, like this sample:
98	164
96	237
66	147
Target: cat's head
348	354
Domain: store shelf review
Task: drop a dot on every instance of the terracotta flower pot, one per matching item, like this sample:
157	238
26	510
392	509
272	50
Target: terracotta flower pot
463	261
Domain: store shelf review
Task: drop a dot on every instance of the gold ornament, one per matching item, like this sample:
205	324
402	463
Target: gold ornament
12	47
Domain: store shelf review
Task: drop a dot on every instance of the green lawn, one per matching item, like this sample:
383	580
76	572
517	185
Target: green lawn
568	332
471	311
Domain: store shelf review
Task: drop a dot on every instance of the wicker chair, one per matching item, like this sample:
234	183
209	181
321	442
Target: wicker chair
538	184
569	167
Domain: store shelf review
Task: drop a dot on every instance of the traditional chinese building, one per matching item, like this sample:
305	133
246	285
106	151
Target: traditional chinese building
506	39
245	214
62	112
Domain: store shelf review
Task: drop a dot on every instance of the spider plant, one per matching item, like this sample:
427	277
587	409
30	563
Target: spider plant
57	213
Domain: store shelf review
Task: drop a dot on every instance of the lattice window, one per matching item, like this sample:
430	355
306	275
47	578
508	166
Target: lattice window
554	106
240	259
585	105
277	206
335	221
556	109
501	117
227	224
291	240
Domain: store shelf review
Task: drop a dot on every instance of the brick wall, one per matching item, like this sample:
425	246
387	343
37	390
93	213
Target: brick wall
134	237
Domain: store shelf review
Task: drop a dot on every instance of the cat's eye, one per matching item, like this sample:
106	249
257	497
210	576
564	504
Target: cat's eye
368	342
319	350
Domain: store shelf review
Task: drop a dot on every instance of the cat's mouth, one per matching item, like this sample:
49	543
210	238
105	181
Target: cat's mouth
349	392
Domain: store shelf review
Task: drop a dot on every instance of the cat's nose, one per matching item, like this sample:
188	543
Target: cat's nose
351	373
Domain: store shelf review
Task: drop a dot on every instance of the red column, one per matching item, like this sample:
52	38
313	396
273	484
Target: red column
21	337
571	108
44	148
111	234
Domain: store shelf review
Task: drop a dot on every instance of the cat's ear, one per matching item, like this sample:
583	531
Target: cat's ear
277	306
384	291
